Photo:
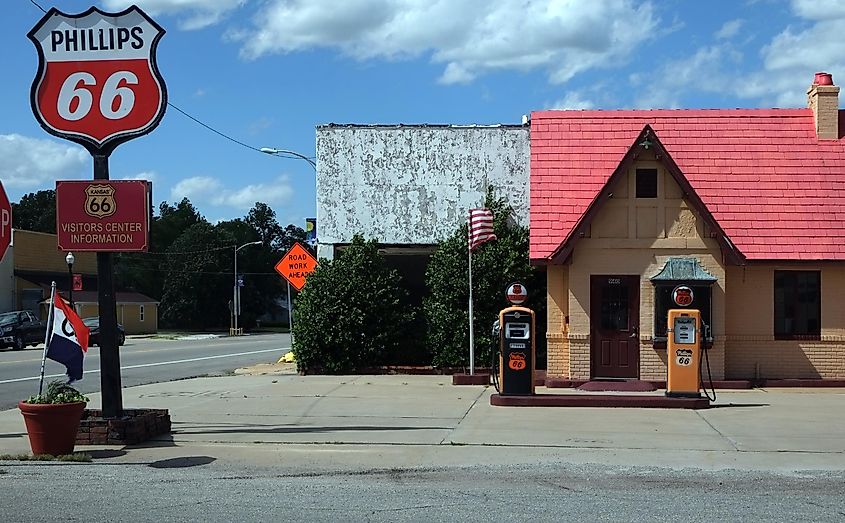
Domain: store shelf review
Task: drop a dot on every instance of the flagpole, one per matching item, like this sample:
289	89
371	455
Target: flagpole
47	335
471	337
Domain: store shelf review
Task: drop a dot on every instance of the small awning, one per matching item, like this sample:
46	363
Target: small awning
683	270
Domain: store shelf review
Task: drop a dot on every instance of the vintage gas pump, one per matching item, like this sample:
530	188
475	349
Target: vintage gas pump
516	345
683	347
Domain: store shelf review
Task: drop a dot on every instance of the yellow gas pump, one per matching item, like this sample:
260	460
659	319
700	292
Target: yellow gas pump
516	351
684	354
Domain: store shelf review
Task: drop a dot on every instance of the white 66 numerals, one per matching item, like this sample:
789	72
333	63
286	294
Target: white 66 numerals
113	93
97	82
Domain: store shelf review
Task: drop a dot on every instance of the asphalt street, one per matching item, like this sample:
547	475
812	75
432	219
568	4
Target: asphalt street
142	360
196	488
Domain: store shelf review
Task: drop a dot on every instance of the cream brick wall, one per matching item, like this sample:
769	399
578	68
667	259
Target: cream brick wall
753	352
652	362
579	362
617	245
823	100
557	348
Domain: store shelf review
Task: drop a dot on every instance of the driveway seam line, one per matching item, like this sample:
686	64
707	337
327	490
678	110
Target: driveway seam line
463	417
717	431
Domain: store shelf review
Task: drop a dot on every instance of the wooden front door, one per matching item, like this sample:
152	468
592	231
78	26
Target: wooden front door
614	326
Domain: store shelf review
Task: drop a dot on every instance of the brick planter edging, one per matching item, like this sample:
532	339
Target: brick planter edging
135	426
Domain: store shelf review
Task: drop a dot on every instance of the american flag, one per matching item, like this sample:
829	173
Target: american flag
480	227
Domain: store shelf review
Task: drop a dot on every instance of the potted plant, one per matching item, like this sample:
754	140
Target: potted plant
52	418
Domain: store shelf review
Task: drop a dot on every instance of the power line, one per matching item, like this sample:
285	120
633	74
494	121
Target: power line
225	247
38	6
291	155
212	129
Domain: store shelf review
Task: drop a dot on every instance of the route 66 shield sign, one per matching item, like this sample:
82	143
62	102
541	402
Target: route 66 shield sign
99	201
97	82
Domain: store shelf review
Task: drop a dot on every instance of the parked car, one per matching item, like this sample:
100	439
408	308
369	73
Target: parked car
21	328
93	325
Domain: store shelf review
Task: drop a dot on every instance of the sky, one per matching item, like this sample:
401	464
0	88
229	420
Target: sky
267	72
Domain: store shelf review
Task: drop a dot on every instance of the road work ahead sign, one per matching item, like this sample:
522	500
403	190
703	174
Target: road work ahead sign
97	82
296	265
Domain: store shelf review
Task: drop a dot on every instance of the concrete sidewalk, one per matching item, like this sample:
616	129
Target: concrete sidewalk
269	416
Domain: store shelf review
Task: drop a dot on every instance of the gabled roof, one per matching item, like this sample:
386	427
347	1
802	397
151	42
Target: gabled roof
774	189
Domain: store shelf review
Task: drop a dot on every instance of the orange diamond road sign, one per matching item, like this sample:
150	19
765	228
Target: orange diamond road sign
296	265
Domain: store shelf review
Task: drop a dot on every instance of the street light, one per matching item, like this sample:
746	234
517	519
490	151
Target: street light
236	299
70	259
283	152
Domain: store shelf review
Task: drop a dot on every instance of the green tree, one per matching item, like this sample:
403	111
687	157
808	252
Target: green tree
263	220
293	234
196	289
171	222
36	212
350	315
495	265
146	272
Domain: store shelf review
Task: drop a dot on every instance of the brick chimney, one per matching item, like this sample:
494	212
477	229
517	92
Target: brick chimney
823	99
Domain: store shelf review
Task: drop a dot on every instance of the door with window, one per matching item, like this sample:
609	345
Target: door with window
614	326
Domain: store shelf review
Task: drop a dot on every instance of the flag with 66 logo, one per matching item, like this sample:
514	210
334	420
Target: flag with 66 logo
97	82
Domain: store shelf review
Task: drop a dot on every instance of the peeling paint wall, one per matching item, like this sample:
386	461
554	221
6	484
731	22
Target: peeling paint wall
415	184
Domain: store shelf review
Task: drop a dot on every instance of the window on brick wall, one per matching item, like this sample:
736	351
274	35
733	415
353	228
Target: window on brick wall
798	305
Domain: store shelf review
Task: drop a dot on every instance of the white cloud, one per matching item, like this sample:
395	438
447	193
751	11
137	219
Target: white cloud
789	61
260	125
275	193
794	55
819	9
150	176
31	163
573	101
729	29
708	70
456	74
195	188
470	37
201	13
207	190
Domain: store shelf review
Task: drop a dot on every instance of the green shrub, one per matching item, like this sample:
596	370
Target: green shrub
58	392
495	265
350	315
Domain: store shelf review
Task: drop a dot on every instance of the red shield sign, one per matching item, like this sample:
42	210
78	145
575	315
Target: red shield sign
97	82
683	296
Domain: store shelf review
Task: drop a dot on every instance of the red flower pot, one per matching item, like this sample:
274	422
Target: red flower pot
52	427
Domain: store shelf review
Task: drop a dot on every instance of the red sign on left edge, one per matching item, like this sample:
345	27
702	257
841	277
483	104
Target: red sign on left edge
103	215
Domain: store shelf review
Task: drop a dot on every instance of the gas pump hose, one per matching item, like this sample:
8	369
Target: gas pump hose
709	377
494	363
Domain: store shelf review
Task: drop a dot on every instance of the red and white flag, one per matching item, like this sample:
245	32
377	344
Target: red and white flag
480	227
69	340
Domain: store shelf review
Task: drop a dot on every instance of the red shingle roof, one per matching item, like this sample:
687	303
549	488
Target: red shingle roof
773	187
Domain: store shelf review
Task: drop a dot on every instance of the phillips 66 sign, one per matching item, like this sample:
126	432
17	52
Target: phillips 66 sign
97	82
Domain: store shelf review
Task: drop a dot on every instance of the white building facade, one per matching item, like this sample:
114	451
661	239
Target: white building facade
411	186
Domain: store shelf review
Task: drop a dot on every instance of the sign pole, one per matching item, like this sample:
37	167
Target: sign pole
235	304
471	337
109	354
290	318
47	335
